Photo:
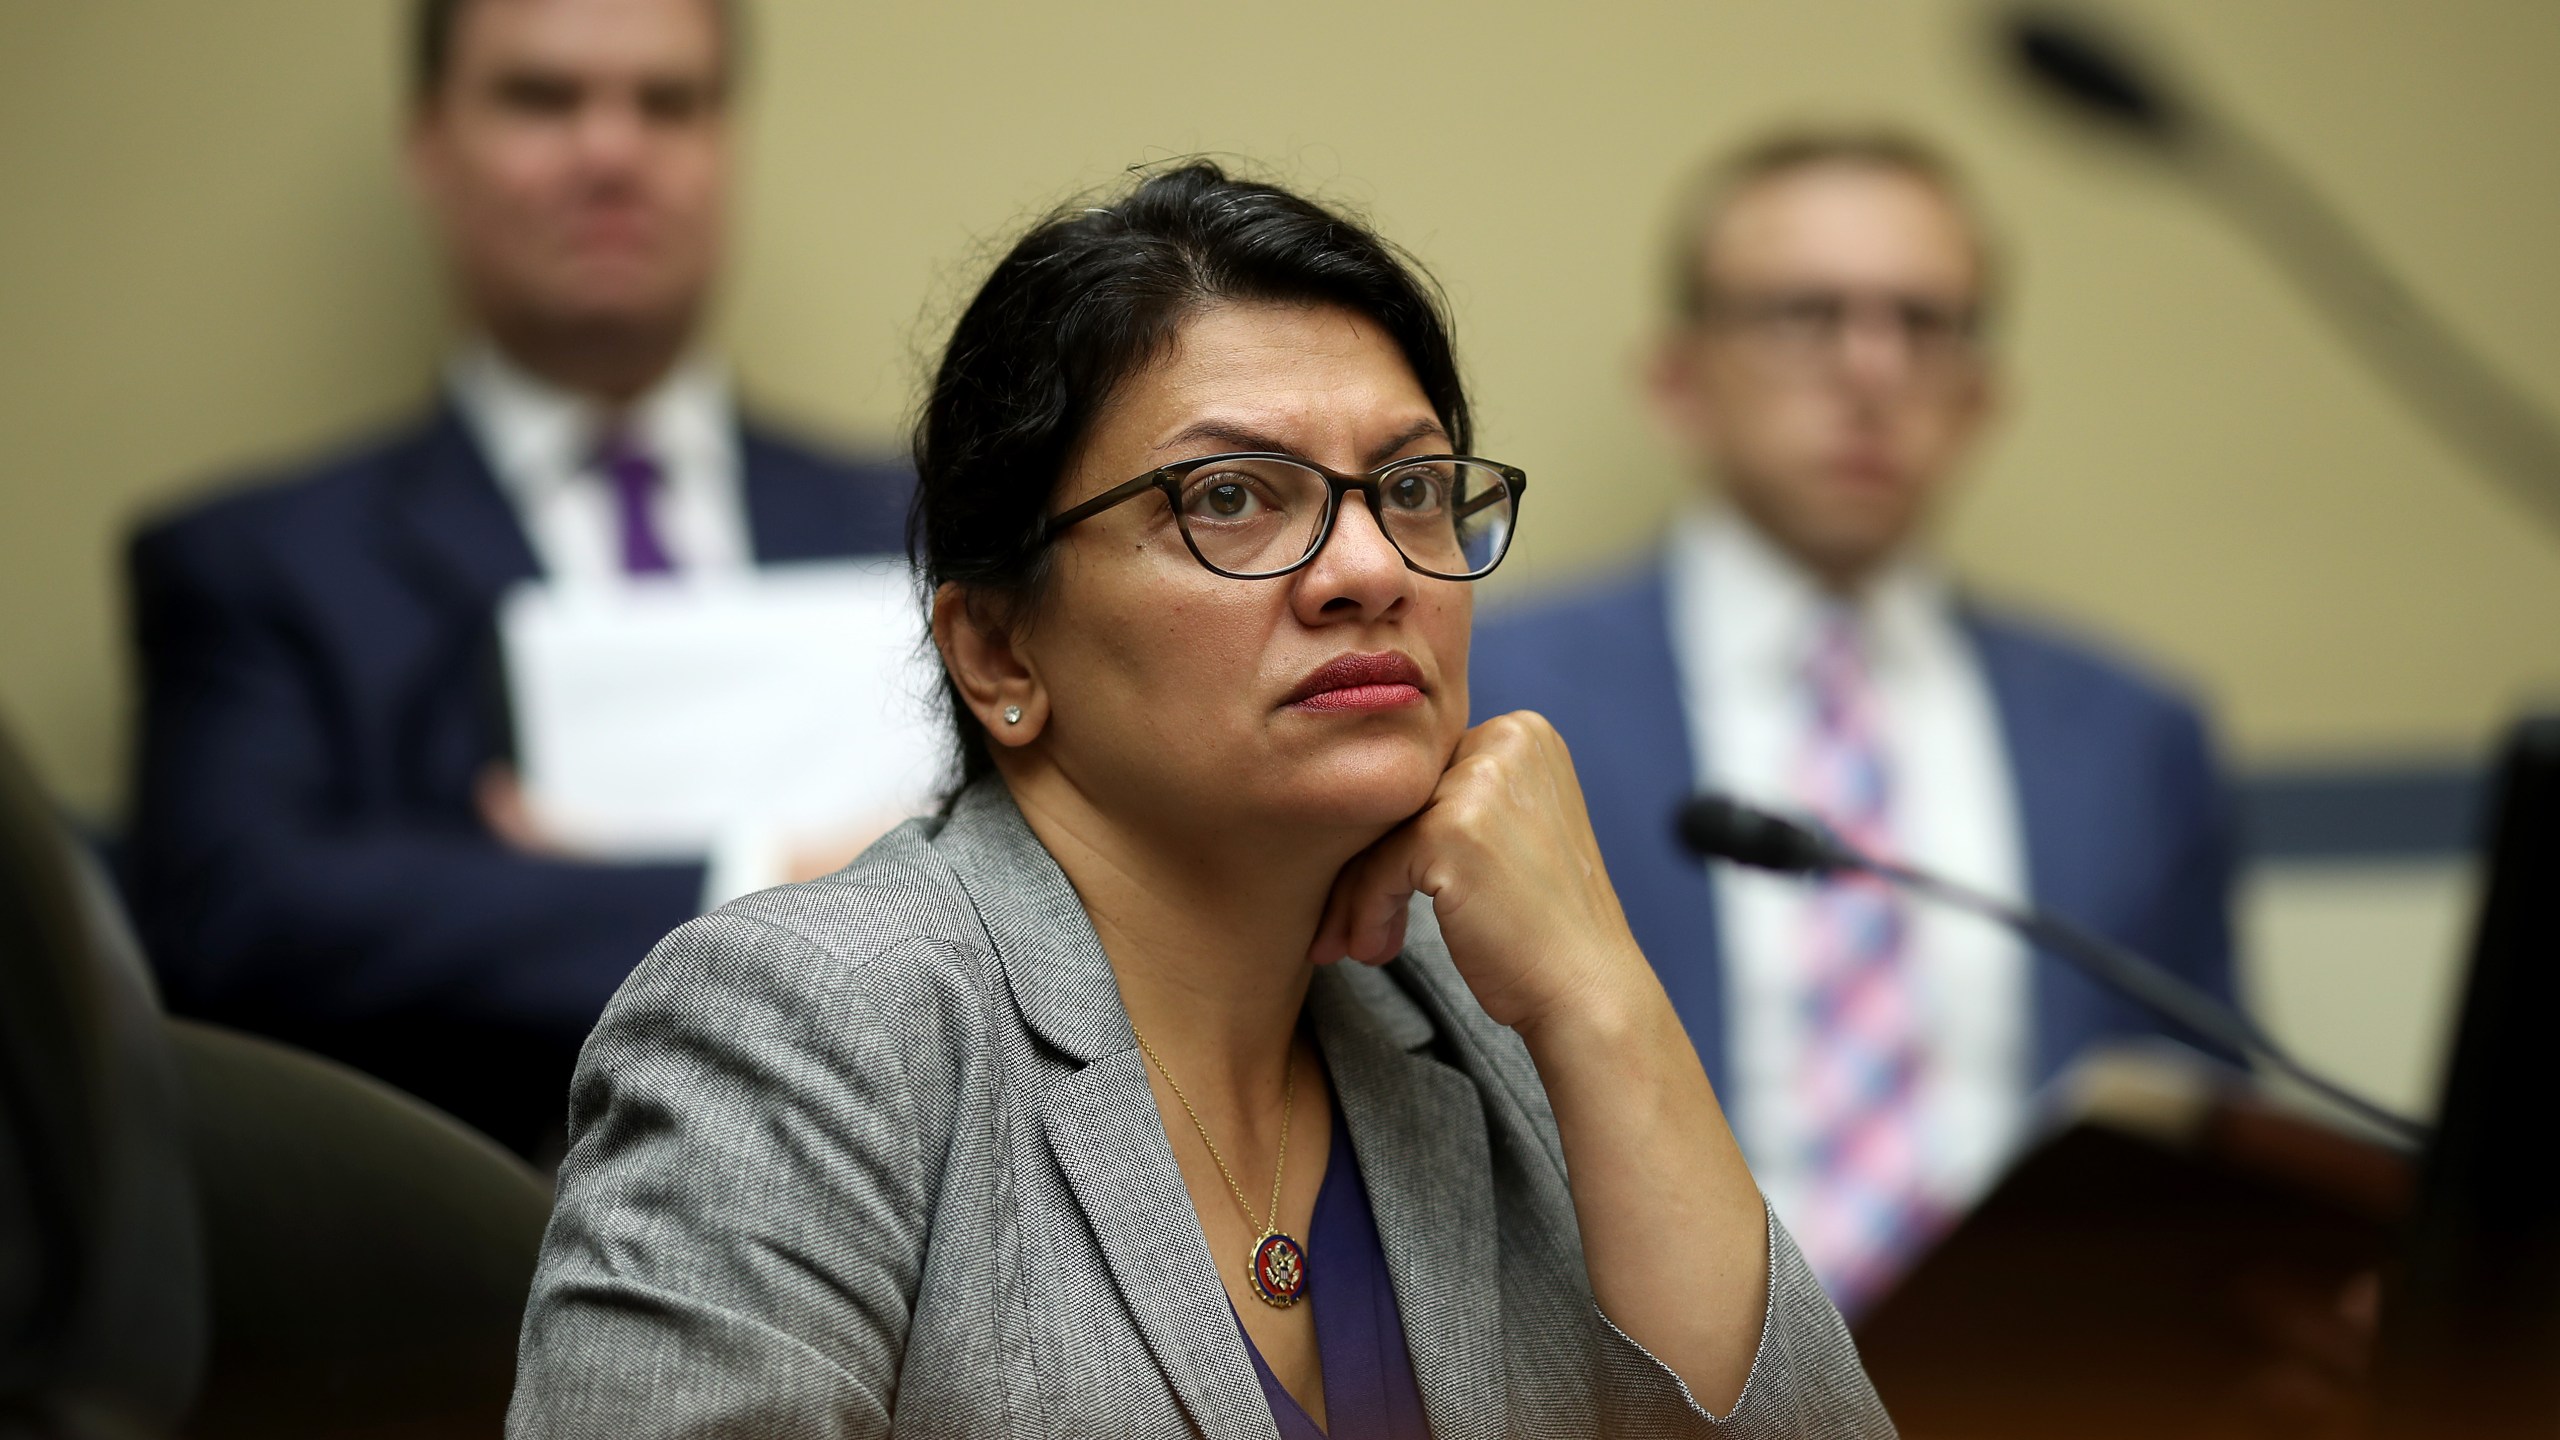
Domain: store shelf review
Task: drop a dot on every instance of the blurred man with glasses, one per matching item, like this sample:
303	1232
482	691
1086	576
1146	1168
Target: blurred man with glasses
328	842
1828	369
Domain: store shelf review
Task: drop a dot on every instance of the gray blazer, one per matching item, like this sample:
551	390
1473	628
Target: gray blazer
876	1155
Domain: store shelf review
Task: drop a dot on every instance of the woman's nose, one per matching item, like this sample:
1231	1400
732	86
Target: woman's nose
1358	568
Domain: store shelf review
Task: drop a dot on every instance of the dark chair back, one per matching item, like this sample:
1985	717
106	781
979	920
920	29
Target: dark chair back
102	1305
209	1234
369	1256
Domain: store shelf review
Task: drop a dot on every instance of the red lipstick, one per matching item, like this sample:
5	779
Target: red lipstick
1387	680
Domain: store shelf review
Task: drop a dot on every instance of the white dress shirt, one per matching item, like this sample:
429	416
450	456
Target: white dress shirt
1744	619
541	441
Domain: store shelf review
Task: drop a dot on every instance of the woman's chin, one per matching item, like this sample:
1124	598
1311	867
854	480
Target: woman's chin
1372	788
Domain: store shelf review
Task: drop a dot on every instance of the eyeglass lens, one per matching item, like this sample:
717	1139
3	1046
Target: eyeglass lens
1807	326
1261	516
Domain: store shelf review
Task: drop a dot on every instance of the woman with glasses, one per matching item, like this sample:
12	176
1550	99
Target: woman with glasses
1057	1114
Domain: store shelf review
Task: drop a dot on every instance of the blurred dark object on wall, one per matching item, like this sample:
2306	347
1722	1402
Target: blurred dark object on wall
209	1234
2384	810
2074	58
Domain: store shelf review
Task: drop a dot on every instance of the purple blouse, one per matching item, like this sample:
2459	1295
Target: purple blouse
1369	1391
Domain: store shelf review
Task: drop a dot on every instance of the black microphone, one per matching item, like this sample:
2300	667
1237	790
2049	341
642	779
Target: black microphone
2076	64
1719	827
1723	828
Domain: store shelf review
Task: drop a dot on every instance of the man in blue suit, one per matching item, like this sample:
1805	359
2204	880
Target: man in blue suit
328	843
1794	644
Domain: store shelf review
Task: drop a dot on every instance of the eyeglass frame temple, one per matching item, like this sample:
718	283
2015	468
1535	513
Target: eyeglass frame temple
1167	479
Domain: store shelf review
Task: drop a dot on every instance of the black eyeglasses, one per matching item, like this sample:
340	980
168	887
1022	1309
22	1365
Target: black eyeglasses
1255	516
1802	330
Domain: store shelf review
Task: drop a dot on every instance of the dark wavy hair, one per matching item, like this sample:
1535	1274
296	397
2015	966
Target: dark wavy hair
1092	295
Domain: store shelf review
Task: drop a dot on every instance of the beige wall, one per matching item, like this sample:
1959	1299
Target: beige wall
2359	969
206	262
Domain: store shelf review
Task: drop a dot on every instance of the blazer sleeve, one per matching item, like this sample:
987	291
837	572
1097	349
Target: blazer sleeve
255	874
741	1227
1805	1379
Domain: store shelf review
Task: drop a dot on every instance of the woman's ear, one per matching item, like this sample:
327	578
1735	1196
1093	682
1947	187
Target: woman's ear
987	661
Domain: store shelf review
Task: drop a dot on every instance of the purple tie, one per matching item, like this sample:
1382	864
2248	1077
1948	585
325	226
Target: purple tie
634	474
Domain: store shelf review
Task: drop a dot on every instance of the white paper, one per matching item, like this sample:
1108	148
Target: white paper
655	718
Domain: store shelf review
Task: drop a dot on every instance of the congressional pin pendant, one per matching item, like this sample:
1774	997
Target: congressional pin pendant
1278	1265
1278	1270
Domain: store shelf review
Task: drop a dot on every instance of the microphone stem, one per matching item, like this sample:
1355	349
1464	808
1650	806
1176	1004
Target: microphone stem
2447	380
2141	982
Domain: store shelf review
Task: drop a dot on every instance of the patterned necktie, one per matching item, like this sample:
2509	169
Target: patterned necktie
1864	1215
634	475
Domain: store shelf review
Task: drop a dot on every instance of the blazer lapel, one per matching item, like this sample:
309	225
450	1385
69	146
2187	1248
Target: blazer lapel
1103	1126
1418	1132
452	523
2054	800
790	514
1101	1119
449	531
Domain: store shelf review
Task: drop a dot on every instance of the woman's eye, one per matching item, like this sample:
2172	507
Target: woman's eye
1224	498
1415	490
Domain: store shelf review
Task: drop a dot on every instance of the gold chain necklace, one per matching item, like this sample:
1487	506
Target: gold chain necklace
1277	1266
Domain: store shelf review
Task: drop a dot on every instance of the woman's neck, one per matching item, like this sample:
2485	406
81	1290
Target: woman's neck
1206	932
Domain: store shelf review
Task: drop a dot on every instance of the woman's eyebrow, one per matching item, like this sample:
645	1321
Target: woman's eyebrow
1225	434
1230	435
1418	430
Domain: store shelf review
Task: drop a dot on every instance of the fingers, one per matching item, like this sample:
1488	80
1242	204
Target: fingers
1364	917
499	797
1480	796
1328	944
1390	940
1333	928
